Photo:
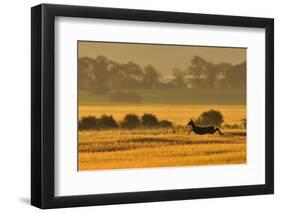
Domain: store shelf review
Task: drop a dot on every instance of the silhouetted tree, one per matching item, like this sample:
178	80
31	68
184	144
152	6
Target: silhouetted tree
151	77
196	70
210	118
165	124
85	66
222	81
88	123
211	75
115	77
235	76
149	120
179	78
100	75
130	121
107	122
132	75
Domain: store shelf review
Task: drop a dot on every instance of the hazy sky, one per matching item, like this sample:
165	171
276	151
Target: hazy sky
163	57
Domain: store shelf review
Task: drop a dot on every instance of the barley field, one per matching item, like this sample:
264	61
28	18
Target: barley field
160	147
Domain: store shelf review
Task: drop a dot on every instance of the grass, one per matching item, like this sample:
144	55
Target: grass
144	148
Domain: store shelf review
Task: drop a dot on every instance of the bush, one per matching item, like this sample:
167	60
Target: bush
127	97
91	122
88	123
107	122
165	124
130	121
231	126
211	117
149	120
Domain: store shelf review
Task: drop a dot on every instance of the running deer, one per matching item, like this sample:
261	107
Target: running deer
203	130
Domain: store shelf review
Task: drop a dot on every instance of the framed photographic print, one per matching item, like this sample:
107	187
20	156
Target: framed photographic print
139	106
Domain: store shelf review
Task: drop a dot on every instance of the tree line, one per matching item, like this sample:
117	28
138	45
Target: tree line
101	75
130	121
133	121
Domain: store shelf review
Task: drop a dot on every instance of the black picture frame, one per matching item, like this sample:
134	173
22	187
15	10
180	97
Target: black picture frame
43	102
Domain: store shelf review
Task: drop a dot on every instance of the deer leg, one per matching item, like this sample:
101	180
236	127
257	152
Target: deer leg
190	131
218	130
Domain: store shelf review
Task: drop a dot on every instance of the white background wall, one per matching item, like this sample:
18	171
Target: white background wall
15	106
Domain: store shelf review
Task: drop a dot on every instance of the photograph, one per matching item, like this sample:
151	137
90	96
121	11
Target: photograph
145	105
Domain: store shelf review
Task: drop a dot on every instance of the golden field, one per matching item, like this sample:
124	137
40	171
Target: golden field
143	148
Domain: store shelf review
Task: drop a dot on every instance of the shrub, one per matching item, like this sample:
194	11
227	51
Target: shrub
130	121
106	122
128	97
88	123
149	120
165	124
211	117
231	126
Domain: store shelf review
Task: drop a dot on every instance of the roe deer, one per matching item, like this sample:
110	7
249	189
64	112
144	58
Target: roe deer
203	130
